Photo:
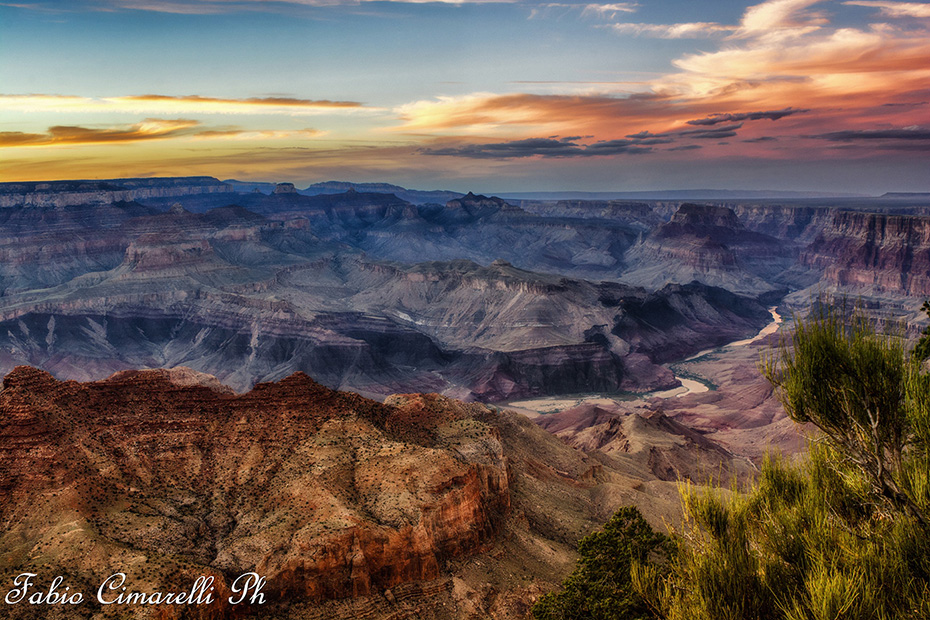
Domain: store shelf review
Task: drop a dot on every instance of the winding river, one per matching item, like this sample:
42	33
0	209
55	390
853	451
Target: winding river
689	385
693	386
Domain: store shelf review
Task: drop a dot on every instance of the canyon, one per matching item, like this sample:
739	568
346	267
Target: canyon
418	506
361	291
334	386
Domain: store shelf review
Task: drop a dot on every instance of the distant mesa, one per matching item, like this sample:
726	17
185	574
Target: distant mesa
413	196
161	191
475	203
922	197
705	216
709	244
284	188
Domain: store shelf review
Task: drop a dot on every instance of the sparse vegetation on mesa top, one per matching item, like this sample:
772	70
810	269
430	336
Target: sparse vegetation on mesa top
843	536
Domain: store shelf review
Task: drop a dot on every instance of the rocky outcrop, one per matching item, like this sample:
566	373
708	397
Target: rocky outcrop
412	196
873	253
646	439
474	204
325	494
78	193
284	188
669	324
710	245
417	507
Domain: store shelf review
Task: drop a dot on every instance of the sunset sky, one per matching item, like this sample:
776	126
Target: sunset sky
829	96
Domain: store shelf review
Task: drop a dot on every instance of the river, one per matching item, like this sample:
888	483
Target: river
693	386
689	385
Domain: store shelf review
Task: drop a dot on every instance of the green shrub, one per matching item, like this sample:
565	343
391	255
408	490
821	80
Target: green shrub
842	536
600	587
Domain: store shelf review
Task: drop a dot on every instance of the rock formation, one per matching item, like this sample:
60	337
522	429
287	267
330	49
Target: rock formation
418	506
248	299
79	193
710	245
873	253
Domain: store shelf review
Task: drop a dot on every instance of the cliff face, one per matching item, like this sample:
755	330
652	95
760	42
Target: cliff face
325	494
794	223
420	506
710	245
874	253
80	193
249	299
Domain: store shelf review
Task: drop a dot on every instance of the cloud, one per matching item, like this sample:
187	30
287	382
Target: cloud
895	9
540	147
149	129
545	147
772	115
780	52
692	30
774	19
260	134
165	104
727	131
19	138
611	119
609	10
896	139
647	137
767	18
599	11
906	133
213	7
820	66
271	102
516	115
618	147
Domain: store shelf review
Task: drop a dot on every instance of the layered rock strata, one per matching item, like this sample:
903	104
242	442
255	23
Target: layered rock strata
325	494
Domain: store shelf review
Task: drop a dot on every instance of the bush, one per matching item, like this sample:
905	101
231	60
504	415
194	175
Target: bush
806	543
843	536
600	587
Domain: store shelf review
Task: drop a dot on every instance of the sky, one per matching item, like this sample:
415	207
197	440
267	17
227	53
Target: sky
482	95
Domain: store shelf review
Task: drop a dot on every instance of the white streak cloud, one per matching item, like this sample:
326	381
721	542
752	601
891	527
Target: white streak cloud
895	9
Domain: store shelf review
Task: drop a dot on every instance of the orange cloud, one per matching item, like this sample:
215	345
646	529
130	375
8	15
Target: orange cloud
783	54
517	114
165	104
240	134
149	129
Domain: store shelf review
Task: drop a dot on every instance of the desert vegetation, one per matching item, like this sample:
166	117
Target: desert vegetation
842	535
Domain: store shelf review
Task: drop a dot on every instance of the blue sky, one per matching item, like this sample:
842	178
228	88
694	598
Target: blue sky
493	96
